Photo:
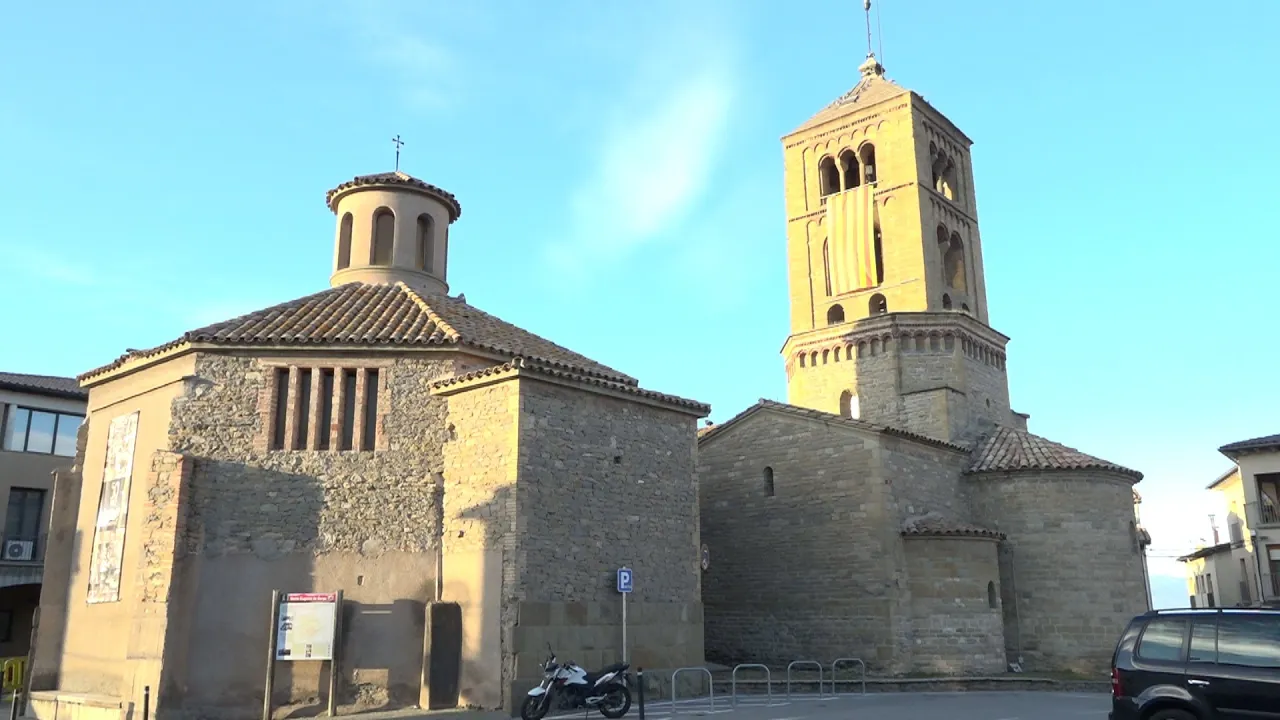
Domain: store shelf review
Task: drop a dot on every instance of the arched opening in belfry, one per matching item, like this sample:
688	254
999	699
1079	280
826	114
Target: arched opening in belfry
826	265
953	265
867	154
944	172
946	301
344	242
850	170
878	305
828	176
384	229
835	314
426	244
768	481
879	252
849	405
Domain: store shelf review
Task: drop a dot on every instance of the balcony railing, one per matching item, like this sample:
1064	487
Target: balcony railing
1265	513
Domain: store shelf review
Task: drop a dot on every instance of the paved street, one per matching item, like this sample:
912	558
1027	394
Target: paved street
893	706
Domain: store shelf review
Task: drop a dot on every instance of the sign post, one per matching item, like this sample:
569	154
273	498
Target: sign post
304	626
625	584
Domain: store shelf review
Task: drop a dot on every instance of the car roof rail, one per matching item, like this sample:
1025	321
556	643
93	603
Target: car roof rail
1215	610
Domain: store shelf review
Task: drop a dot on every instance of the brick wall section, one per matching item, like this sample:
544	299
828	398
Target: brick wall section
954	630
605	483
1076	565
246	499
809	572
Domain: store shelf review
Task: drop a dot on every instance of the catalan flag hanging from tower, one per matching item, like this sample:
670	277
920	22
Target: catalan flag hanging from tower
851	219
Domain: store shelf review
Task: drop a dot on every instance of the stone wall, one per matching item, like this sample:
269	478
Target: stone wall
309	520
925	478
606	482
956	624
481	523
807	572
1073	576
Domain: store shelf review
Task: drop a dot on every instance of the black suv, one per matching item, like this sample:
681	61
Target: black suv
1211	664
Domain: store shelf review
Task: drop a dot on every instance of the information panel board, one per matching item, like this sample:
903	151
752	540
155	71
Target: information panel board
306	627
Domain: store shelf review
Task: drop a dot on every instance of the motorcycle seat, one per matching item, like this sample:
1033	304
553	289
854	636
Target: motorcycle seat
616	667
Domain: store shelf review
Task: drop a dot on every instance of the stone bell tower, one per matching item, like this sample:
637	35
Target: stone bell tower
392	227
887	290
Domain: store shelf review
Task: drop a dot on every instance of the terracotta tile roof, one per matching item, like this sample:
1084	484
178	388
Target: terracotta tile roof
941	527
1008	449
53	385
521	366
874	87
362	315
826	417
1264	443
396	179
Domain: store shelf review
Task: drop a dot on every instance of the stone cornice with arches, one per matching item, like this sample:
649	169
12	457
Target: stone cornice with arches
860	124
912	335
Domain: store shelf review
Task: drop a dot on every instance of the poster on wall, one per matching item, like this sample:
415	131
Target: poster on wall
113	511
306	627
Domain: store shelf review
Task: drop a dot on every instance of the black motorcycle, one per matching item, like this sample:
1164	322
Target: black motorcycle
568	686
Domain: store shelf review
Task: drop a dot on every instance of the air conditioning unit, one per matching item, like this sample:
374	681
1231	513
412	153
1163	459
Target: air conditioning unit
19	549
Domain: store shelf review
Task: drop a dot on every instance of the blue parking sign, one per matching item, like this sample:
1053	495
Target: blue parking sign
624	580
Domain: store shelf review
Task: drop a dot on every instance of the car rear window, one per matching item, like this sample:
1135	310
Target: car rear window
1163	640
1249	640
1204	640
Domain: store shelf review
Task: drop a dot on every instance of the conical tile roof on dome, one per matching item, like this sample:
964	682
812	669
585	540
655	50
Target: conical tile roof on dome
1007	450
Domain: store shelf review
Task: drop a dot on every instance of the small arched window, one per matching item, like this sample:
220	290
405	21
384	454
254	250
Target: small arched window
867	154
384	229
828	176
849	168
964	307
826	264
849	405
993	601
426	244
835	314
768	481
953	263
878	305
946	301
344	242
879	251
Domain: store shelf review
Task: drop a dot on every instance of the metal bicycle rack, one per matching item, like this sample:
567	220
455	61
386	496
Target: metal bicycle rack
711	687
848	661
733	682
807	663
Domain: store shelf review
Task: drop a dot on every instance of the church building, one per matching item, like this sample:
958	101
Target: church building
896	508
470	487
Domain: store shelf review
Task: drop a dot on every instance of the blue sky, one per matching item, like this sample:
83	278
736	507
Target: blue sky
163	165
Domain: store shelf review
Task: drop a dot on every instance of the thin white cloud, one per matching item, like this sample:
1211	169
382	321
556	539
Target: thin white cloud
47	266
410	43
656	158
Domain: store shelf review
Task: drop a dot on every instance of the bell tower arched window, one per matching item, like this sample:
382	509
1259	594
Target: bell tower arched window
426	244
878	305
384	230
953	263
828	176
850	170
867	154
344	242
835	315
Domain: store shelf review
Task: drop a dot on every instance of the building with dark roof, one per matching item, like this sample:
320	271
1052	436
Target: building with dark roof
40	417
469	486
896	508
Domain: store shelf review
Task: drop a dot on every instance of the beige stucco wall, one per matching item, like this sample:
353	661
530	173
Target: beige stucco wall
406	206
95	653
1244	488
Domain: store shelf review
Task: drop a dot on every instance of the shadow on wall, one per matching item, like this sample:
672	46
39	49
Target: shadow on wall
475	669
